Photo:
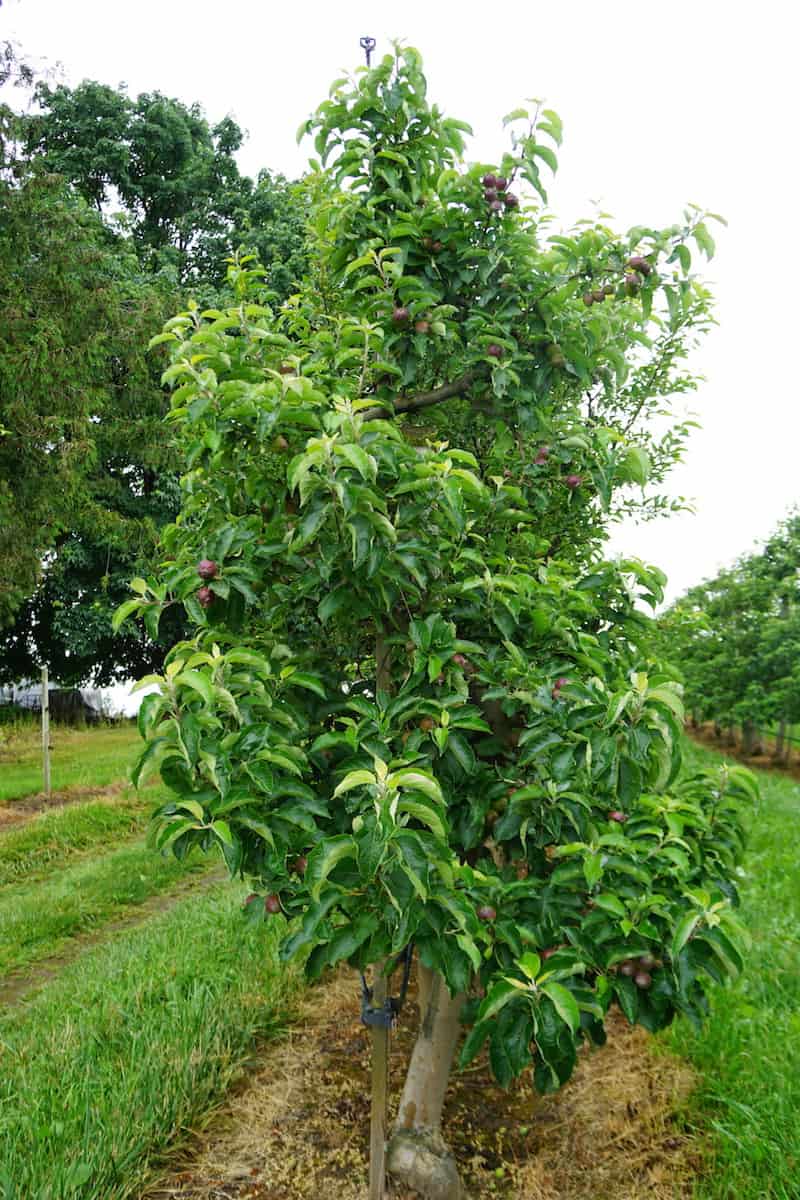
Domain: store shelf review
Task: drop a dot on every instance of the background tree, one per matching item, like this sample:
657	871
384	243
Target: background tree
735	639
418	707
86	475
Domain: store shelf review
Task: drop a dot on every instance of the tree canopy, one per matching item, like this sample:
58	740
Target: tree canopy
417	706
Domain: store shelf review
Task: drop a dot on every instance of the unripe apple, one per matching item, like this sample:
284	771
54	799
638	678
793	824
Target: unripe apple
207	568
609	289
501	183
273	903
422	326
489	181
286	369
496	206
205	597
461	661
643	979
249	899
490	194
542	454
573	482
299	865
619	817
494	351
486	913
632	285
427	243
588	299
427	724
400	315
647	962
628	969
548	952
510	200
281	443
437	246
598	295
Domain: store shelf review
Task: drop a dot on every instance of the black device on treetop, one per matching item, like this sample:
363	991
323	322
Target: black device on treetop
367	44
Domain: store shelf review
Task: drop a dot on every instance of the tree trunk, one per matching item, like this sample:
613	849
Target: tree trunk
418	1155
780	741
748	738
717	730
730	736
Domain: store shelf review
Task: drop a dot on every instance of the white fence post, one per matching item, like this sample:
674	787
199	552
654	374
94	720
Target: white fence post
46	732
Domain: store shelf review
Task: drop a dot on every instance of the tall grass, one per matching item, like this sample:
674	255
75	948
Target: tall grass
748	1054
110	1065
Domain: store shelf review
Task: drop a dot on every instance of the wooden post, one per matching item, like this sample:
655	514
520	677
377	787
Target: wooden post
380	1092
380	989
46	733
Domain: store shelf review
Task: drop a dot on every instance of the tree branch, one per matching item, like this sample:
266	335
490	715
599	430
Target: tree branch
425	399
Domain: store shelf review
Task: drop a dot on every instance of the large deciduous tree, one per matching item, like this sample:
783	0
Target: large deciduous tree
419	708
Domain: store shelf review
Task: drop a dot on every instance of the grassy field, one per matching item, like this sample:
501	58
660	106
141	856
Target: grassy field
36	922
748	1055
130	1045
79	758
116	1060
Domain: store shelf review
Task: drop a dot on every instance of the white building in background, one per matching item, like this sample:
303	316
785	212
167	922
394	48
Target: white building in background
29	695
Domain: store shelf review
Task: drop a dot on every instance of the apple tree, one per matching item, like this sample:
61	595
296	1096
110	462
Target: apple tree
418	707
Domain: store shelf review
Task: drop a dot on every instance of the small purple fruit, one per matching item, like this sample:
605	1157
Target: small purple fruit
510	200
207	568
632	284
496	206
205	597
628	969
489	181
501	183
400	315
619	817
573	482
588	299
494	351
637	263
643	979
490	194
273	903
542	455
599	295
486	913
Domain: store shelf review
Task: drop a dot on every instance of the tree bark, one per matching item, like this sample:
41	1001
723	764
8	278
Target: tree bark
748	737
418	1155
780	741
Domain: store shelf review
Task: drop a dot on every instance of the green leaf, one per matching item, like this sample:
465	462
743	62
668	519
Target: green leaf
565	1003
425	813
323	858
354	779
198	682
124	611
499	994
419	781
684	930
312	683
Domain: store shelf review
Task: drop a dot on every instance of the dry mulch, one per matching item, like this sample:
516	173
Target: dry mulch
298	1127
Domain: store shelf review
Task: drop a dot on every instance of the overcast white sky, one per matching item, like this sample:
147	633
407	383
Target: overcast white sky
662	103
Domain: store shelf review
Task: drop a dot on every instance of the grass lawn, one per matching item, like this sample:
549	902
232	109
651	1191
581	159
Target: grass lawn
79	758
748	1054
35	922
51	840
112	1063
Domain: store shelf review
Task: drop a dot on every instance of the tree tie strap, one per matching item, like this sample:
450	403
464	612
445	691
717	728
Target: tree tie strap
385	1016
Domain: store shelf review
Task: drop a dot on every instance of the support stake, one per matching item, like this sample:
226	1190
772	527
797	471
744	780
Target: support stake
380	1090
46	733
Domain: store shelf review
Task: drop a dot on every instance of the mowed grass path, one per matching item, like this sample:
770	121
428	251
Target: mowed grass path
748	1053
79	758
111	1065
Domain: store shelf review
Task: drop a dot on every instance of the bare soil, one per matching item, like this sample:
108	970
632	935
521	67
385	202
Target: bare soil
704	736
19	812
298	1127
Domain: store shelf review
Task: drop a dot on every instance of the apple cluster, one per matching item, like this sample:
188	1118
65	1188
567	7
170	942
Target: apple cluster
639	970
207	570
496	194
636	268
